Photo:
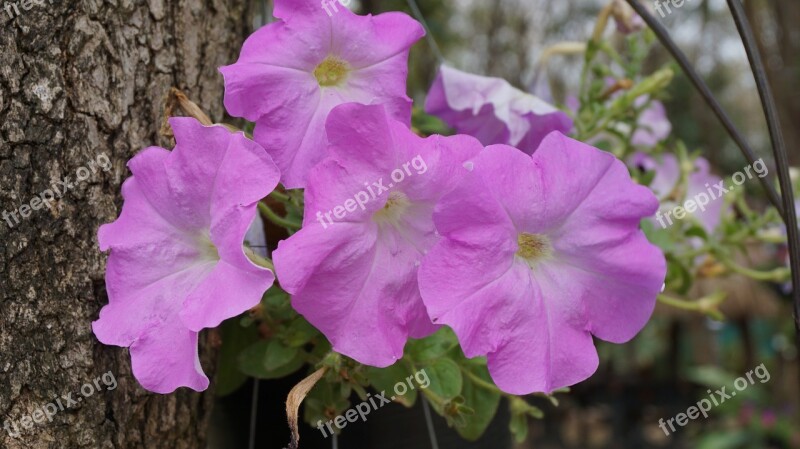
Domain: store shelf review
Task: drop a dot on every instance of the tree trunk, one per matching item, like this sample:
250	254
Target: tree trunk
79	79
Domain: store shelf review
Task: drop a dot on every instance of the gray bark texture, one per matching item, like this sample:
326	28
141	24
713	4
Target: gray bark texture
79	78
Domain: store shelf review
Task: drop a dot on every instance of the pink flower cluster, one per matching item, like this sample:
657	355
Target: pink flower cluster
526	253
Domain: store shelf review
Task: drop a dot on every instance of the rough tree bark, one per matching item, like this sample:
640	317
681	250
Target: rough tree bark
80	78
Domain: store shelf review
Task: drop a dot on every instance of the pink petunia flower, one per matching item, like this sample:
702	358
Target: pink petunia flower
352	268
538	254
493	110
176	250
626	19
293	72
653	125
700	182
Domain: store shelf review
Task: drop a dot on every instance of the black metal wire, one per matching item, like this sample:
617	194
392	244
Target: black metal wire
702	87
778	148
428	35
429	423
253	416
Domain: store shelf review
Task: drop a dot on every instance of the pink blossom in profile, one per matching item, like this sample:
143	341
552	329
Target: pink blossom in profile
176	263
653	125
352	268
293	72
700	181
538	254
493	110
626	19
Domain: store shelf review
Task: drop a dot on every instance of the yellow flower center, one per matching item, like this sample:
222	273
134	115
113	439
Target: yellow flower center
207	249
396	204
331	72
533	247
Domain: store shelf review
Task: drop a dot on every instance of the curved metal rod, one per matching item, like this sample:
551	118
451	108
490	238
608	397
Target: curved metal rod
428	35
702	87
778	148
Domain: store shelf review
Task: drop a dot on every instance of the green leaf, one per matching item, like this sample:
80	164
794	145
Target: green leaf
730	439
518	427
483	401
520	406
235	338
278	355
428	124
324	402
384	379
521	410
299	332
277	304
697	231
710	376
432	347
647	177
446	379
657	235
270	359
679	278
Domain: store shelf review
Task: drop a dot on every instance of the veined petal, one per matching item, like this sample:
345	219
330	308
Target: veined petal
166	358
177	247
355	279
538	254
291	74
493	110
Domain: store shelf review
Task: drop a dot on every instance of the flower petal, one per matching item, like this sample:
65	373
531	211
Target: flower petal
341	286
653	125
593	272
178	243
166	358
274	85
337	272
202	307
548	315
492	110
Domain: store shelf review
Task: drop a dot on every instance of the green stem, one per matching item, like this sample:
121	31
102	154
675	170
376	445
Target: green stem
612	53
689	255
258	260
679	303
744	207
602	22
480	382
776	239
280	196
706	305
777	275
270	215
435	399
